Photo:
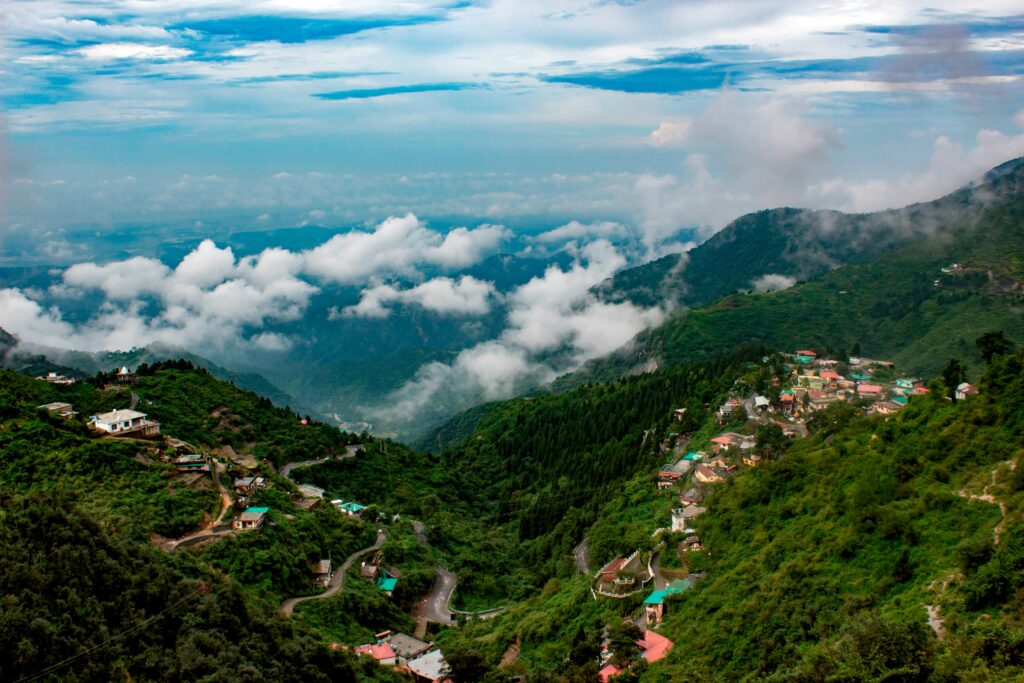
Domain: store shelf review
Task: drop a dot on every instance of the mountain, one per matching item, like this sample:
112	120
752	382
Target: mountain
900	305
799	244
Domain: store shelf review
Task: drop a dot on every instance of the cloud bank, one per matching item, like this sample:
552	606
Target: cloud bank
214	301
553	324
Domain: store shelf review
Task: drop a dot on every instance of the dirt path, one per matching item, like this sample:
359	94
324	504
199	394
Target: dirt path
337	581
986	497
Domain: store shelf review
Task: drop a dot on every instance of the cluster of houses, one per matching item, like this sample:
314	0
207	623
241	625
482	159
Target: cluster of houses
817	384
421	659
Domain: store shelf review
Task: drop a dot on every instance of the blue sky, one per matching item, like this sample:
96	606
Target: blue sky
664	116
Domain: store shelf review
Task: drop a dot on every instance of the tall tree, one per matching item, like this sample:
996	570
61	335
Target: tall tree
993	344
952	376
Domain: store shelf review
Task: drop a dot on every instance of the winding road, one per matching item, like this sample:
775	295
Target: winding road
582	556
338	580
434	607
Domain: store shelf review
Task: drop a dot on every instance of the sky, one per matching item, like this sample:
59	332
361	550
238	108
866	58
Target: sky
664	116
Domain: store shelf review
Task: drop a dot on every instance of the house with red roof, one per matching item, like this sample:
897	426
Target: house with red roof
381	651
865	389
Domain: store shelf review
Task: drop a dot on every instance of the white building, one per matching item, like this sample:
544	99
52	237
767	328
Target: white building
679	519
124	422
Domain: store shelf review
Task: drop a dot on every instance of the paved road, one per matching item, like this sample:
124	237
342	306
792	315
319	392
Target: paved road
286	471
135	401
435	607
208	534
338	580
582	556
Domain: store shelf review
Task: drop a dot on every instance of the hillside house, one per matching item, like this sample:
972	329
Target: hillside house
691	513
761	404
866	390
429	667
380	651
671	474
352	509
690	496
322	574
126	376
819	400
721	443
64	411
623	576
191	462
964	390
248	486
56	378
406	647
310	492
678	519
752	459
679	414
692	544
706	475
251	519
386	583
884	408
728	409
125	423
654	606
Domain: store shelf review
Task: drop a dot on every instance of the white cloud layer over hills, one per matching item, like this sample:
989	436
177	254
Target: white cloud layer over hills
215	304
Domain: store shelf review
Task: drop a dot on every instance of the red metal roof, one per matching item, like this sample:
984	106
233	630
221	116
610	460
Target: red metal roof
655	646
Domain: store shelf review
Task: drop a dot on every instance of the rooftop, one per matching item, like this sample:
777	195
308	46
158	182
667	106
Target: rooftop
119	416
406	646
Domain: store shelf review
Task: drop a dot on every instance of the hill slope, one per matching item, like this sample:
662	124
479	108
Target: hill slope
900	306
799	244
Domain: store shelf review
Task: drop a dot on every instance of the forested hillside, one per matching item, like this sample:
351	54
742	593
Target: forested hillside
877	549
87	594
800	244
507	503
901	306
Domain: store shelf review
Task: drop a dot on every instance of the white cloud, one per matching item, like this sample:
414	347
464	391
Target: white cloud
554	324
465	296
112	51
574	230
399	246
207	302
772	282
463	247
951	166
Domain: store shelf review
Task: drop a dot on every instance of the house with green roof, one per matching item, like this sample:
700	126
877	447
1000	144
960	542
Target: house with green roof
386	583
654	604
350	508
250	519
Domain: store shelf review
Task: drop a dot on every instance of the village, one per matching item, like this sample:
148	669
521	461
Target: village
751	428
197	467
